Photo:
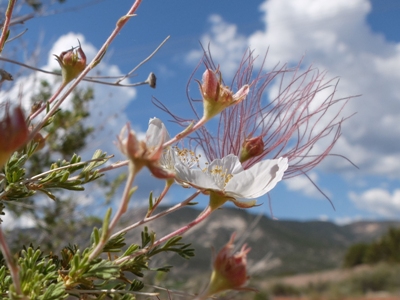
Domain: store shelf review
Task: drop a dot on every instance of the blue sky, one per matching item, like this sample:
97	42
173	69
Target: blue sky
356	40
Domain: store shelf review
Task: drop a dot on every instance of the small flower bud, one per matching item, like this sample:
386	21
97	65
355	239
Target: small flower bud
252	147
216	96
229	269
72	63
152	80
210	86
13	133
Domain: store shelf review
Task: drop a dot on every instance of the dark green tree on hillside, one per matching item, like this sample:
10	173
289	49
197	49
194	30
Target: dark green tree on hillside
386	249
355	255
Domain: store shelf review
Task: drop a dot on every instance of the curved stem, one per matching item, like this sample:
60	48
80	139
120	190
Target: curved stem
201	217
168	184
6	25
39	176
96	60
113	166
121	210
185	132
144	61
52	99
159	215
12	267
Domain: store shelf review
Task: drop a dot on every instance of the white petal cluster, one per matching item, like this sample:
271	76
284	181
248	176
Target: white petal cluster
227	176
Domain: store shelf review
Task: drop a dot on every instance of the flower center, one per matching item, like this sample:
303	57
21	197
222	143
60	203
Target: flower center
187	157
220	175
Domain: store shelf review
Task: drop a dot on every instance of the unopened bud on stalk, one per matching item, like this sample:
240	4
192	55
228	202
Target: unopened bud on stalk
210	86
251	147
229	269
152	80
216	96
72	63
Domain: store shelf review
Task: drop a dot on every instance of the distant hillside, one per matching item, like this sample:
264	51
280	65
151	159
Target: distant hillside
295	247
298	246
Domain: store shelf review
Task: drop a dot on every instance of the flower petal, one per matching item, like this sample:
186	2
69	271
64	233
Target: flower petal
230	164
156	134
258	180
242	93
194	177
244	204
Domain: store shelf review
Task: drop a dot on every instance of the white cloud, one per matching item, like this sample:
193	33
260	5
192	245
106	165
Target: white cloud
107	110
226	44
303	185
107	114
323	218
378	201
332	36
341	221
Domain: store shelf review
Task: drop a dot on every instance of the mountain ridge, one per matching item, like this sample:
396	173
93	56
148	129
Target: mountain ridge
299	246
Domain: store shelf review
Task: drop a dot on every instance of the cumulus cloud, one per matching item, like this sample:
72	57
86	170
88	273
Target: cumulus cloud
378	201
226	44
107	111
303	185
332	36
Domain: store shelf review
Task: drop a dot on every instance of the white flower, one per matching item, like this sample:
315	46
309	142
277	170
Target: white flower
226	178
148	152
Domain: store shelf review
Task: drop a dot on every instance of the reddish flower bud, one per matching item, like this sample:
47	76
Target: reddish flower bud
252	147
216	96
229	269
210	86
13	133
72	63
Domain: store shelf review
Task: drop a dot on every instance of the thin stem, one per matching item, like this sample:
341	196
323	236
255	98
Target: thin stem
17	36
168	184
159	215
36	177
20	20
125	200
202	216
169	291
89	79
121	210
144	61
6	25
185	132
42	108
113	166
13	268
96	60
